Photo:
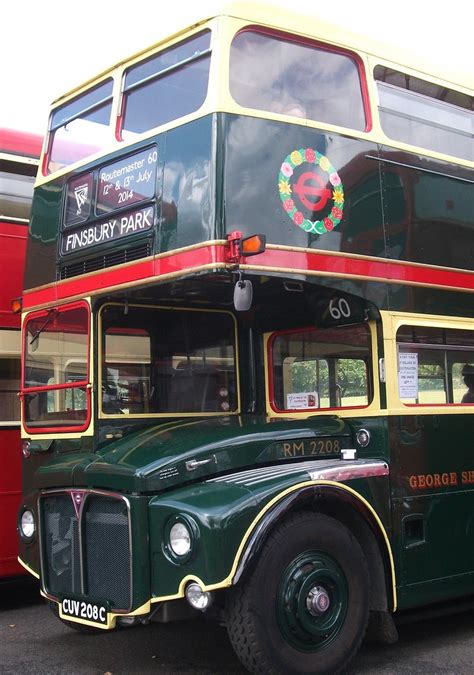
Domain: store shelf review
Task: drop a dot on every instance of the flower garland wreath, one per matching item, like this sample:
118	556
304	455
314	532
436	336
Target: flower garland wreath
311	156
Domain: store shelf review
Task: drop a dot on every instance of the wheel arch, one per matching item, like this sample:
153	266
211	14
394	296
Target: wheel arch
348	507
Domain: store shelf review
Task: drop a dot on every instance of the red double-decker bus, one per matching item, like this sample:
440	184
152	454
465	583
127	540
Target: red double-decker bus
19	154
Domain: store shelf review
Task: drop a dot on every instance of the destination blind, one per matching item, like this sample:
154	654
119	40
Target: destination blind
127	182
119	185
112	229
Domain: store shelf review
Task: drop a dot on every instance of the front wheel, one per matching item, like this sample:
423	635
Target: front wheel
304	609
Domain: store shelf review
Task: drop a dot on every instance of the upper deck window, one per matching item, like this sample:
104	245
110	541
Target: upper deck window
425	114
166	86
16	190
297	79
80	127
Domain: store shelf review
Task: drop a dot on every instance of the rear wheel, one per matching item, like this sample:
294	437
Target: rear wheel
304	609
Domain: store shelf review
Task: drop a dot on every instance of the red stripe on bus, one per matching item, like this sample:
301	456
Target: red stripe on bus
108	279
376	269
301	261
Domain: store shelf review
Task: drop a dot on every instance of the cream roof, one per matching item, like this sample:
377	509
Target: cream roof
315	25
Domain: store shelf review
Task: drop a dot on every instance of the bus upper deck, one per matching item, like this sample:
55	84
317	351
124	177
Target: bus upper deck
369	146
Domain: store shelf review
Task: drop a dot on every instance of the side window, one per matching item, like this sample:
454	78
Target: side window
435	365
55	370
9	387
425	114
320	368
16	190
296	79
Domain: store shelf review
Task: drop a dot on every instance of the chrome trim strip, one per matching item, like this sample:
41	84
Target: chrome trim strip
86	494
336	469
349	471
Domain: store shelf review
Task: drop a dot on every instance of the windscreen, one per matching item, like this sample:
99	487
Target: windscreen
157	360
80	127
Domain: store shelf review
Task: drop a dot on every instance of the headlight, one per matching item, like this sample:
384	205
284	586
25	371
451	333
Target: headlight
180	539
27	524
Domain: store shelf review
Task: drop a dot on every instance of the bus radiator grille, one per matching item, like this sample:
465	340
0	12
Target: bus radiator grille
87	554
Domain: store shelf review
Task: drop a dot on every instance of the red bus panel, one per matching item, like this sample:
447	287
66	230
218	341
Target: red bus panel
19	153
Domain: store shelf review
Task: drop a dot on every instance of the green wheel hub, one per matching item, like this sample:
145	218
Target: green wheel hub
312	601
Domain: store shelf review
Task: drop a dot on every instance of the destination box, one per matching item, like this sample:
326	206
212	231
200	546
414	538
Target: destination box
120	227
127	182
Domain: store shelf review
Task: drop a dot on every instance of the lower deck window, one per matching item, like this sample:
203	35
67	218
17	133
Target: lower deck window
314	369
55	378
9	376
159	361
435	365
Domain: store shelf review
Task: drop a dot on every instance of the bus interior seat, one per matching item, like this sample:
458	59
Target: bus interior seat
194	389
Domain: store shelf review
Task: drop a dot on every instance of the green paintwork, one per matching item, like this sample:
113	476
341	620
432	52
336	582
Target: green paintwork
184	215
224	510
300	628
435	557
155	458
216	175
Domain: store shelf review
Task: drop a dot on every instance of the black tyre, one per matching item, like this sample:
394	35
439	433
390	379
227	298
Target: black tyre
304	609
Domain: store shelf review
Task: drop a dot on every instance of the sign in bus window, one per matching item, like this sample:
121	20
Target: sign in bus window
320	368
296	79
128	181
79	199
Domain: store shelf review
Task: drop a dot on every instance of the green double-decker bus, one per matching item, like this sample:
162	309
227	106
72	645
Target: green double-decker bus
248	341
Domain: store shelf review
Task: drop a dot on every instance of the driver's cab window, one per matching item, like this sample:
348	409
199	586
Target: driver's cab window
126	384
165	361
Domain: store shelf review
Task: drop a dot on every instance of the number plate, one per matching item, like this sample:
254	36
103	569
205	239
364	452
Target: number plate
92	612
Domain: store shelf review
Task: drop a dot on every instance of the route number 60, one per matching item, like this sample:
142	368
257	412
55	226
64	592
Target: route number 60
339	308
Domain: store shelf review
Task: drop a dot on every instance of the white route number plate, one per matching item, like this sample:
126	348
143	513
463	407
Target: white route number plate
85	611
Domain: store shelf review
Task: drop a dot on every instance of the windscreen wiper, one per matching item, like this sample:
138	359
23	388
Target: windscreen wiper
51	315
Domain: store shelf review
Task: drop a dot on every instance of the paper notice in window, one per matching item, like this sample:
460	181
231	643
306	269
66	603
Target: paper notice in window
302	401
408	375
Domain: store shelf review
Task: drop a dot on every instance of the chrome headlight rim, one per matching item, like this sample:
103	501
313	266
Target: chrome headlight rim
23	525
193	532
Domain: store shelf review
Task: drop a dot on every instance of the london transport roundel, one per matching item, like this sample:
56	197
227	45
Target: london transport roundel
299	184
